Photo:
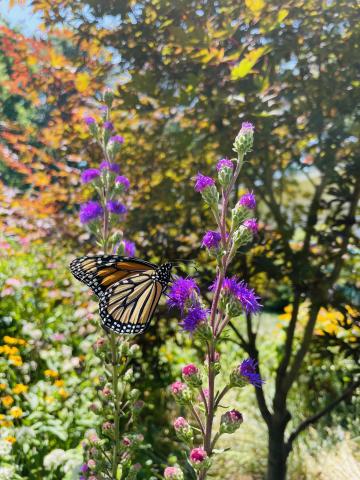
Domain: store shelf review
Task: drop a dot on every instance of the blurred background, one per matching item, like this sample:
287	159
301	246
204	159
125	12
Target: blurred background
186	74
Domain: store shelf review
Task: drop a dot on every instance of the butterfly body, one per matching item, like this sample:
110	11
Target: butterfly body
128	288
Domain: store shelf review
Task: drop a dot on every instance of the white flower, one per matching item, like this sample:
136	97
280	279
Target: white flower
54	459
5	448
6	471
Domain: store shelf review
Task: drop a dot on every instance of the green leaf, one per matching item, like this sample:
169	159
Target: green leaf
246	65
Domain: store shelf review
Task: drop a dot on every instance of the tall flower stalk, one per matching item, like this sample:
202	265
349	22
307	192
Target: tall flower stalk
109	453
231	297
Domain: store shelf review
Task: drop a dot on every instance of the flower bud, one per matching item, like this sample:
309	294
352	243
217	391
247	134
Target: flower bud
124	349
134	349
225	168
245	374
244	139
134	394
183	429
106	392
181	392
129	375
91	464
99	344
203	331
191	376
230	421
216	362
238	215
173	473
138	406
211	239
199	459
107	426
242	236
108	98
210	196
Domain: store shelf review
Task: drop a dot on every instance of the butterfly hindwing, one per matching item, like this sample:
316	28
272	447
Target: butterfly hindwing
127	307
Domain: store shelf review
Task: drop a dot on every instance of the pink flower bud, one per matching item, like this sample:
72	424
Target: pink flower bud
173	473
197	455
189	370
106	392
191	375
231	421
100	342
180	423
126	441
177	388
107	426
91	464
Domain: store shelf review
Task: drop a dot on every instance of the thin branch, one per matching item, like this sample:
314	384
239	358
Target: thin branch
198	419
314	418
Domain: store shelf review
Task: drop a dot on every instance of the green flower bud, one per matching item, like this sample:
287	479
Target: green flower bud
210	196
244	139
230	421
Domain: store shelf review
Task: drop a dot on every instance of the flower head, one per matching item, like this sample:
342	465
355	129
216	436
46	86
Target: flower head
194	317
89	120
191	375
89	175
247	127
247	298
16	412
122	180
248	200
182	290
180	423
117	139
224	163
108	125
244	139
247	370
189	370
90	211
173	473
113	167
202	182
177	387
211	239
116	207
251	224
129	248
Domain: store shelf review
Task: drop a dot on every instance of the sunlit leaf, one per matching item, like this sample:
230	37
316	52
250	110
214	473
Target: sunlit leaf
246	65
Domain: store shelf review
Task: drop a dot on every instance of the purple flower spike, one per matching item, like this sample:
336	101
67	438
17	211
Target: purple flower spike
247	298
117	139
247	127
89	120
116	207
211	239
202	182
252	225
181	290
89	175
248	201
90	211
113	167
224	163
194	317
247	369
129	248
108	125
124	181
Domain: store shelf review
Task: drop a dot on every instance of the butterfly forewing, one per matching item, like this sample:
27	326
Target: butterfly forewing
129	289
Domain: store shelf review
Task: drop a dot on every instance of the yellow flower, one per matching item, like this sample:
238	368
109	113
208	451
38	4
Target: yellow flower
49	399
6	423
7	401
16	360
16	412
10	340
59	383
2	386
20	388
10	439
9	350
51	373
63	393
2	416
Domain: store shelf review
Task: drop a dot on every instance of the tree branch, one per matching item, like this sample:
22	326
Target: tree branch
314	418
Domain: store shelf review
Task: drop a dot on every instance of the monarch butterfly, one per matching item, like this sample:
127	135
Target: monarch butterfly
129	289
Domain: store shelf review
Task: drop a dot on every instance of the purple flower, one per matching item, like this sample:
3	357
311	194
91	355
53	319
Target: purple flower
84	468
89	120
247	298
224	162
113	167
248	201
230	285
123	181
116	207
211	239
90	211
181	290
246	127
108	125
202	182
89	175
194	317
117	139
129	248
247	369
251	224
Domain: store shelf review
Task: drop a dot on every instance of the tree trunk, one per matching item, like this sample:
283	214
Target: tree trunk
277	456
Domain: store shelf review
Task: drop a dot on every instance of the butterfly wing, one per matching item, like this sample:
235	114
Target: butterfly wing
128	305
100	272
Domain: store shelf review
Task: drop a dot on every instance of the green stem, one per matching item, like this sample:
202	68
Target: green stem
115	383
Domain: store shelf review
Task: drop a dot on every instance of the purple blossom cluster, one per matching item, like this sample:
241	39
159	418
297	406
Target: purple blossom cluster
202	182
240	291
247	369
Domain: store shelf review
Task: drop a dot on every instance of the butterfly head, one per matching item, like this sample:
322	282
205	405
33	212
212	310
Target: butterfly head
164	274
